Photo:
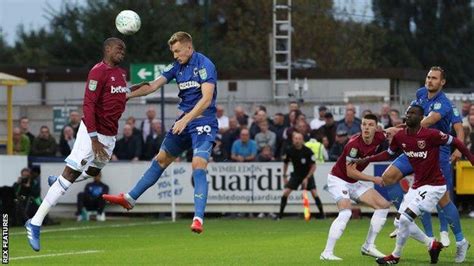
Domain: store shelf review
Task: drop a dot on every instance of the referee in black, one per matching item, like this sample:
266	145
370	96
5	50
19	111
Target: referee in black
304	166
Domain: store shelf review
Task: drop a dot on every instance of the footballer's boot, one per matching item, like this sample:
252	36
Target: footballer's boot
394	233
390	259
434	251
121	199
444	238
371	251
328	256
196	226
33	235
461	250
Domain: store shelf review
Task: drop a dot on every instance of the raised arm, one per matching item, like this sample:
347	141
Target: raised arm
463	149
146	88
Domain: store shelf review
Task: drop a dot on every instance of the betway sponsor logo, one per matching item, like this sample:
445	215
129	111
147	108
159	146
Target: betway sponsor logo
118	89
189	84
417	154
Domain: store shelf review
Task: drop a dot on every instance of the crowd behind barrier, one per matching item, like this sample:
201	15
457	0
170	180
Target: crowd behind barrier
244	136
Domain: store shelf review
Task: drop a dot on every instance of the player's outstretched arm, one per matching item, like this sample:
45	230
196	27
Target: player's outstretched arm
379	157
146	88
463	149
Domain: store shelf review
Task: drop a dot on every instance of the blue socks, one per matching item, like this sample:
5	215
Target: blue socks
443	222
200	192
452	215
427	225
395	194
148	179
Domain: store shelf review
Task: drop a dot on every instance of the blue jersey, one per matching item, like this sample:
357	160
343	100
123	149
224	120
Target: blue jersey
189	77
440	104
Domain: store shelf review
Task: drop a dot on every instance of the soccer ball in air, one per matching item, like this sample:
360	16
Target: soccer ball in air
127	22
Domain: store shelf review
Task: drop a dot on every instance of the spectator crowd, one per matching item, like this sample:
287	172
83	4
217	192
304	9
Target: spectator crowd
242	137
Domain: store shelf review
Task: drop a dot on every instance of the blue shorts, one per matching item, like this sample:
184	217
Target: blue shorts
198	134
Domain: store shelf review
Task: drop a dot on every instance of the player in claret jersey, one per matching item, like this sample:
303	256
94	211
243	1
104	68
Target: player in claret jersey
344	185
104	103
422	147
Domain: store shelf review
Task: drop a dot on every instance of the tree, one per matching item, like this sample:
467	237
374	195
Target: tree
427	33
6	53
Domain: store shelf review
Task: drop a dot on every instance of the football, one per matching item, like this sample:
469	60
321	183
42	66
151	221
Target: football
127	22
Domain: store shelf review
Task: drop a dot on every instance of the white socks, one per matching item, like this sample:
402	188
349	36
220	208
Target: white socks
416	233
336	230
55	191
402	235
376	223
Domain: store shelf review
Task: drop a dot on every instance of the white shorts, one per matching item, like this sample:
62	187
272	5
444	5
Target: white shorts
82	156
340	189
422	199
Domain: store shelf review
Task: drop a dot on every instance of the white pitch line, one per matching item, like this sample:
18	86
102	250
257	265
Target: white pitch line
57	254
77	228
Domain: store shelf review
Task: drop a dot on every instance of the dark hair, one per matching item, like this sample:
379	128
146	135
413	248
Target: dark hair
440	69
419	107
110	41
371	117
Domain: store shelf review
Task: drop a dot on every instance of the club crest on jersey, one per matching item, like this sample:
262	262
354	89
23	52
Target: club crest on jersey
455	111
92	85
353	152
437	106
421	144
203	73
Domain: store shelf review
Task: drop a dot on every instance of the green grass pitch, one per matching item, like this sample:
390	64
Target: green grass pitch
138	241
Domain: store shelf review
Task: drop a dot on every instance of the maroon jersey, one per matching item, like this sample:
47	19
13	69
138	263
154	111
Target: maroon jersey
104	99
422	150
356	148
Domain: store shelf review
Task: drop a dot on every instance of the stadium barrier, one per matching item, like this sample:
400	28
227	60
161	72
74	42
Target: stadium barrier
233	187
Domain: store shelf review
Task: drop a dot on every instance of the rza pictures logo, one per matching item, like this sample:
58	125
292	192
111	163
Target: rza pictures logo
421	144
92	85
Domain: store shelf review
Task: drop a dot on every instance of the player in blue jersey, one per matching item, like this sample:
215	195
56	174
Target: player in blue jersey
196	127
439	114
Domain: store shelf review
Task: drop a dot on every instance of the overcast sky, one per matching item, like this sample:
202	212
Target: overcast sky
31	13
